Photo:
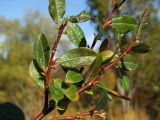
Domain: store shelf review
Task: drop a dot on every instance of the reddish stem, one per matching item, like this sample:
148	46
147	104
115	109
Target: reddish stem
116	7
47	73
105	68
79	116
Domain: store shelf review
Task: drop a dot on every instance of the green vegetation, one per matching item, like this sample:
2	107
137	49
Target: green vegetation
81	76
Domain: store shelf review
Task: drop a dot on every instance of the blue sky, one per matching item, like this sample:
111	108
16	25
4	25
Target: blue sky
13	9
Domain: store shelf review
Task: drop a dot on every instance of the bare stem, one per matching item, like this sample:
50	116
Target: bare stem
79	116
116	7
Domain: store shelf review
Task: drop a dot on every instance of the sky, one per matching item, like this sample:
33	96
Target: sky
16	9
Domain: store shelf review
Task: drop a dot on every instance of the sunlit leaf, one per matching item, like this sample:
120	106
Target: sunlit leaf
72	93
77	57
124	24
106	55
81	17
75	34
89	91
56	90
57	9
42	51
73	77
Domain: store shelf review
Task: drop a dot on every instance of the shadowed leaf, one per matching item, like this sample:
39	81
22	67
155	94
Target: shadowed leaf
141	48
36	73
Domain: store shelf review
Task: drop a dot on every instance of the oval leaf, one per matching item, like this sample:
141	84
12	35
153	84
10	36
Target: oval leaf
57	9
141	48
124	24
73	77
106	55
42	51
114	93
102	101
81	17
128	62
72	93
75	34
77	57
36	74
94	68
56	90
124	81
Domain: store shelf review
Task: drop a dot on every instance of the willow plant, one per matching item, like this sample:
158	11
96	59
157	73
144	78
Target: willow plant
84	66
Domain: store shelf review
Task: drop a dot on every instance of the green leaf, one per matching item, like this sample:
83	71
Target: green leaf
114	93
102	101
94	68
58	83
75	34
81	17
128	62
99	28
72	93
56	90
57	9
141	48
42	51
63	105
124	24
106	55
122	40
89	91
102	86
73	77
104	45
125	83
77	57
36	73
9	111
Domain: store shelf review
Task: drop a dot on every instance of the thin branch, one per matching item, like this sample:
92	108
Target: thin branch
116	7
105	68
47	73
80	116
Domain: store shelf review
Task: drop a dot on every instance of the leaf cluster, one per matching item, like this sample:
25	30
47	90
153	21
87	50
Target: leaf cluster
82	63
